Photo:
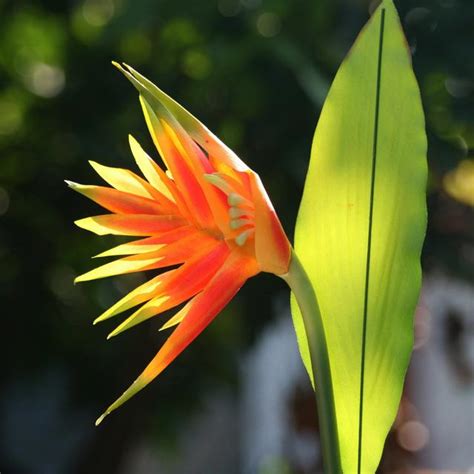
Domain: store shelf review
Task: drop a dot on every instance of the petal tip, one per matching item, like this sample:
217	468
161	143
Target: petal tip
100	419
96	166
114	333
71	184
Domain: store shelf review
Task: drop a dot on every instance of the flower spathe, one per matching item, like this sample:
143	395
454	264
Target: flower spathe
208	213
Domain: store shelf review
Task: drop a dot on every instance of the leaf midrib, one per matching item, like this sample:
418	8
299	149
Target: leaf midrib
369	238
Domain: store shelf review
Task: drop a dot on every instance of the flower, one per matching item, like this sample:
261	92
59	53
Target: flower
208	213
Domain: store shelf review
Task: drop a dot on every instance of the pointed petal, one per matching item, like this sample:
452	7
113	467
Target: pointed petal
178	317
125	180
171	254
150	244
139	295
186	281
204	308
199	132
131	248
136	263
133	224
183	174
149	168
120	202
189	153
196	159
186	146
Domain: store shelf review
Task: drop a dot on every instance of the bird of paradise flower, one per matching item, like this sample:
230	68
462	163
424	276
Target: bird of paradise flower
208	213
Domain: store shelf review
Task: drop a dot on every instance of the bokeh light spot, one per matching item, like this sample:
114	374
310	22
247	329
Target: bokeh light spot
413	436
459	183
45	80
459	88
268	24
98	12
196	64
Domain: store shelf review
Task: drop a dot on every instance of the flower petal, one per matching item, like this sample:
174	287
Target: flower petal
166	255
121	202
139	295
272	249
183	174
156	175
179	316
149	169
136	263
183	284
150	244
133	224
125	180
199	132
203	309
189	152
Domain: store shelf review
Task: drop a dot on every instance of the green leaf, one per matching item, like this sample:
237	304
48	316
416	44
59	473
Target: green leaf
360	230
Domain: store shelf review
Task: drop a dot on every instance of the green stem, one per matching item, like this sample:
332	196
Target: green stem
302	288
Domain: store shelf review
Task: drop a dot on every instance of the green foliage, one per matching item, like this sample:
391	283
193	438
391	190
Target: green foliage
360	230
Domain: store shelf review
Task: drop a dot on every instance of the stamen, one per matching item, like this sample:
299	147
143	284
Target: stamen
242	238
218	182
235	199
238	223
235	212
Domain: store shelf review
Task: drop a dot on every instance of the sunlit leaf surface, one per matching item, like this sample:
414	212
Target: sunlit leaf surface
360	230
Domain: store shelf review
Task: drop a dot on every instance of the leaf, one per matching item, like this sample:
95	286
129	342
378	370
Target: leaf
360	230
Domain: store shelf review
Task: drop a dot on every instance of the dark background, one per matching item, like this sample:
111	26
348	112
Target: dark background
256	72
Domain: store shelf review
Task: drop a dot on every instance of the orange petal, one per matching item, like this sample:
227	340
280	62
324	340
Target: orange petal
149	168
197	160
166	255
150	244
183	174
182	284
125	180
178	317
120	202
139	295
203	309
192	126
133	224
135	263
272	248
188	151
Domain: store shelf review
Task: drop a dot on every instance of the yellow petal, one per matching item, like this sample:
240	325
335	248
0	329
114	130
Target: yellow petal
178	317
119	267
124	180
139	295
148	168
133	224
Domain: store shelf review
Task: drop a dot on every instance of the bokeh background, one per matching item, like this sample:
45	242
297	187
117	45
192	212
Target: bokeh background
256	72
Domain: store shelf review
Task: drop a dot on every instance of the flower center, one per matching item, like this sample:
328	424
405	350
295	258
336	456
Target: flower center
241	210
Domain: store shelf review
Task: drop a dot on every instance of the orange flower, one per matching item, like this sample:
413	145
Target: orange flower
208	213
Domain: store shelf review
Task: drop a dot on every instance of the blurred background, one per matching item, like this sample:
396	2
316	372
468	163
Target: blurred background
237	401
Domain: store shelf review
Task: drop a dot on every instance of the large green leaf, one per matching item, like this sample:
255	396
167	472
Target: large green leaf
360	230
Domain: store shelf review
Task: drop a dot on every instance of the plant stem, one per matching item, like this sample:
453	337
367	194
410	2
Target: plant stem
301	286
